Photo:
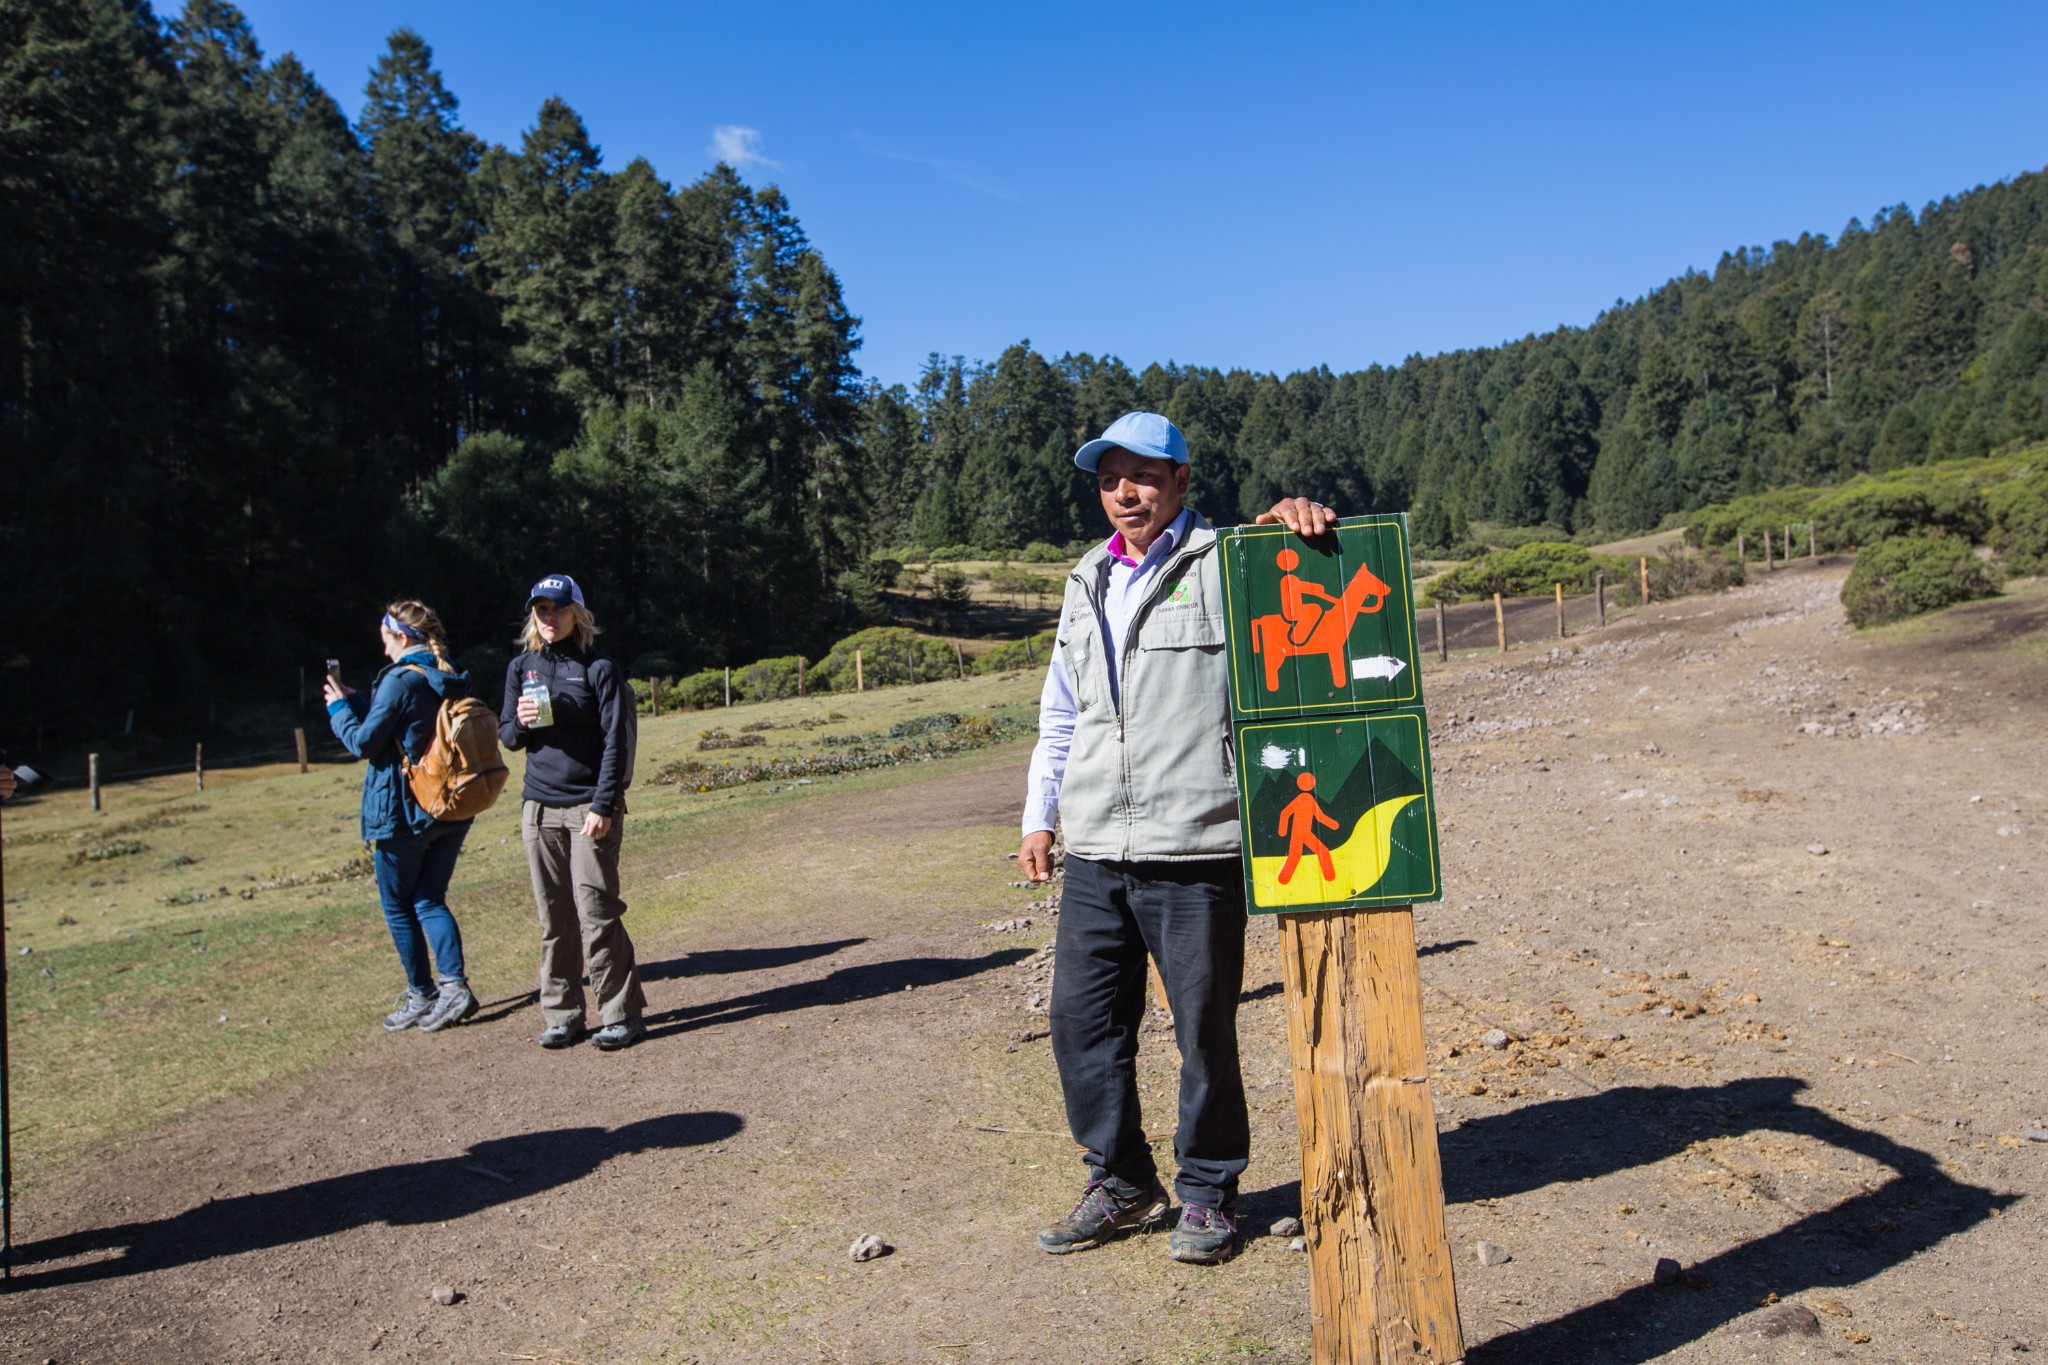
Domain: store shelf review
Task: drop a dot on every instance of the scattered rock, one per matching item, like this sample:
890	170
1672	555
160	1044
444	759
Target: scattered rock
445	1295
1298	1244
1285	1227
1008	926
1787	1319
1832	1307
1491	1255
1497	1039
2037	1134
1817	850
868	1247
1668	1272
1613	1036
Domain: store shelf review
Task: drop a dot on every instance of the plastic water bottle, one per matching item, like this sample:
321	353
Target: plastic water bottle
535	690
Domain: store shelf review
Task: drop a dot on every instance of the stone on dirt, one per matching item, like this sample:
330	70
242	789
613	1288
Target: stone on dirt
444	1294
1667	1272
1817	850
1285	1227
1298	1244
867	1247
1497	1039
1491	1255
1787	1319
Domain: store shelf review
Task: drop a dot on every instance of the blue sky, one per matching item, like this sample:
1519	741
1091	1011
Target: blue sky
1237	186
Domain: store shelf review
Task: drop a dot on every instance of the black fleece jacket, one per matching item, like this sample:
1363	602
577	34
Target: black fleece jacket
587	754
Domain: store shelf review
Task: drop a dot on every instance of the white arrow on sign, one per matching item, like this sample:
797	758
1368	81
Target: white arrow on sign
1379	666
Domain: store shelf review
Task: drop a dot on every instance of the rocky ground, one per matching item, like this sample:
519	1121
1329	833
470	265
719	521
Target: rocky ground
1734	1002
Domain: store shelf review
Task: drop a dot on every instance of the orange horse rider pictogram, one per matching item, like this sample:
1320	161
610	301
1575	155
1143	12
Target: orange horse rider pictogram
1302	627
1298	821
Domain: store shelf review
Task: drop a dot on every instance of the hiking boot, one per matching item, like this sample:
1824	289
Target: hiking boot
412	1006
561	1035
1205	1235
1108	1209
454	1005
623	1034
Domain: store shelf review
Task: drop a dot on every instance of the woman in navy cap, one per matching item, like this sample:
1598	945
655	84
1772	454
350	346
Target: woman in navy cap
570	709
415	853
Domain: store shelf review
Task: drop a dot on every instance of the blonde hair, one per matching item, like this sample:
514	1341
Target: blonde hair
423	619
582	625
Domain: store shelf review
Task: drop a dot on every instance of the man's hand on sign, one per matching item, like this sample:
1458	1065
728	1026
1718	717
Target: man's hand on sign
1034	855
1299	515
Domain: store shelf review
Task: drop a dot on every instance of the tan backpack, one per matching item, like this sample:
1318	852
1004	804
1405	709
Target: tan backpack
462	772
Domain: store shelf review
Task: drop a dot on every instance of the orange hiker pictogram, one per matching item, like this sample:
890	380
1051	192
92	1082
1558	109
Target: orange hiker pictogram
1302	627
1298	821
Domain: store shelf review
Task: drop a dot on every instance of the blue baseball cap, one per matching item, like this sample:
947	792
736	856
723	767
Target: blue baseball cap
558	588
1141	433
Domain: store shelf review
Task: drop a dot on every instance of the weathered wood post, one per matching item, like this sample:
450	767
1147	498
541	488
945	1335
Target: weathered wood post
1788	542
1500	623
802	674
860	681
1381	1288
1600	594
92	779
960	661
1560	610
1767	551
299	741
1740	557
199	767
1443	648
1812	544
1643	564
728	684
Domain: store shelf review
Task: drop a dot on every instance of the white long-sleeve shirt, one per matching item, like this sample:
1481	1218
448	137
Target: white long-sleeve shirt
1129	581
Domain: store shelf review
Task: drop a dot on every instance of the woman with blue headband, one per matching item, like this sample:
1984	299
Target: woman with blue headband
414	854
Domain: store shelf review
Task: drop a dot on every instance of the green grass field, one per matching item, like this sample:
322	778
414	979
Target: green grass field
182	947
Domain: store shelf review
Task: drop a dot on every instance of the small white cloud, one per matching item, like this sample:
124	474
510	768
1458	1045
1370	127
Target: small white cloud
739	147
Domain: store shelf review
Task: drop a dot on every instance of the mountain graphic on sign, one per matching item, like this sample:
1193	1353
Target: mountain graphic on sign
1355	854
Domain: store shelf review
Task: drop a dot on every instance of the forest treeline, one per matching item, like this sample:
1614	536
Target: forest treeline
263	368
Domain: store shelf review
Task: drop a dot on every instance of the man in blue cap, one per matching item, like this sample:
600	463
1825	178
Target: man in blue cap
1134	764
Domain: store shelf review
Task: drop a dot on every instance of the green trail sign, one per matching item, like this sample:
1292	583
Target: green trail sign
1323	626
1334	783
1338	812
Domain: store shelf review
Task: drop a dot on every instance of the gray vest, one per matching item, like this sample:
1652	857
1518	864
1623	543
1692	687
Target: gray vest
1152	779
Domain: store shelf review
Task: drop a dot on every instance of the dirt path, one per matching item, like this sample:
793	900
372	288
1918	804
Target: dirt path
1795	1073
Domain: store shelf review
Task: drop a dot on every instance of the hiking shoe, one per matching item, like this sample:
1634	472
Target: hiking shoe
454	1005
1205	1235
1108	1209
561	1035
623	1034
412	1006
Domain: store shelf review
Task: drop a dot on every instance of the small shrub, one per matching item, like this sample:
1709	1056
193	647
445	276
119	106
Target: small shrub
950	591
1907	575
890	655
1524	571
1038	552
696	692
949	554
719	739
1867	511
1035	652
768	679
2018	510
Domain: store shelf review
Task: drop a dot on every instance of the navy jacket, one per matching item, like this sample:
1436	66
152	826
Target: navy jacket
587	754
403	704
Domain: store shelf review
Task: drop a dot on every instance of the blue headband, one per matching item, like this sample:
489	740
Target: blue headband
398	627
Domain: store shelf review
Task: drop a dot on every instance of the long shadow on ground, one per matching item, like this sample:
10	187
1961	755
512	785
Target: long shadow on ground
723	961
494	1172
842	987
1562	1141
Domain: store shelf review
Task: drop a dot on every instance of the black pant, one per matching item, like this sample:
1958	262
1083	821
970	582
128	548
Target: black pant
1191	918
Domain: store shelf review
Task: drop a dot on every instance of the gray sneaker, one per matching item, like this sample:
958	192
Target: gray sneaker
454	1005
412	1006
612	1037
1205	1235
556	1036
1108	1209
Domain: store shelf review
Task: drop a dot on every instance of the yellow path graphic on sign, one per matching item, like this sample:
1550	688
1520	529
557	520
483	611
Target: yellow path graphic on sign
1360	862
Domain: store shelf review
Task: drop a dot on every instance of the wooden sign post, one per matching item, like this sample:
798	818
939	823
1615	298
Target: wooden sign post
1336	796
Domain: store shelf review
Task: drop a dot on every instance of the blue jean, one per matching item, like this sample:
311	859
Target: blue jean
413	871
1189	917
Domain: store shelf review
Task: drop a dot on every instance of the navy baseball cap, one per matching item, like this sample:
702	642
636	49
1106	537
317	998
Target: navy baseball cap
558	588
1141	433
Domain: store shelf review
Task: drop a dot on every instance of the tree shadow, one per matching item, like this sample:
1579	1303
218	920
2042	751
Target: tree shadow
721	961
1562	1141
496	1171
842	987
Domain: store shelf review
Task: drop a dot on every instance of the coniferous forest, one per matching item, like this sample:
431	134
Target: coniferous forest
262	369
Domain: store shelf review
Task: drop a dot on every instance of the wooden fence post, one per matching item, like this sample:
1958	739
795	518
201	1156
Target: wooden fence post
1443	649
92	779
1029	657
960	660
299	740
1560	610
1643	563
1740	557
860	680
1500	623
1381	1289
728	684
1600	594
199	766
1788	542
1767	551
802	670
1811	551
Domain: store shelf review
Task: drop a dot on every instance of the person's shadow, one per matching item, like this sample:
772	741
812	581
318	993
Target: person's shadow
496	1171
867	981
